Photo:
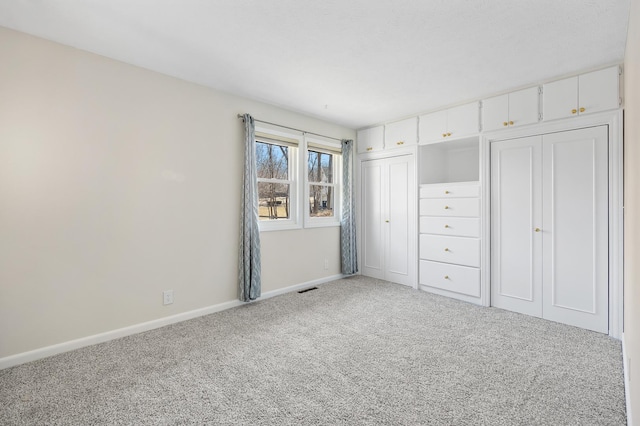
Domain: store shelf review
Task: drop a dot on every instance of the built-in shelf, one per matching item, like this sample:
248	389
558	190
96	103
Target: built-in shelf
450	161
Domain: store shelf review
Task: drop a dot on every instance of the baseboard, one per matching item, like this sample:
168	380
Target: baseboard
627	385
70	345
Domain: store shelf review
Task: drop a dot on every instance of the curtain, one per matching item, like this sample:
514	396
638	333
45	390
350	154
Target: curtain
348	222
249	259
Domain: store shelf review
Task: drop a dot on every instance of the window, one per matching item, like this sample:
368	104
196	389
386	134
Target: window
323	170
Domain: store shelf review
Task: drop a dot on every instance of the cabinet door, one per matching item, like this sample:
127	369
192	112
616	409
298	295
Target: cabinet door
400	258
598	91
371	139
432	127
516	200
463	120
560	99
495	113
372	218
401	133
575	228
524	107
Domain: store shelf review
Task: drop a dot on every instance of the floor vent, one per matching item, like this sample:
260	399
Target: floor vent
308	289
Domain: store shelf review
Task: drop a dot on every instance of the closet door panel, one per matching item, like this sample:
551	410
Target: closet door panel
399	236
575	228
372	220
516	196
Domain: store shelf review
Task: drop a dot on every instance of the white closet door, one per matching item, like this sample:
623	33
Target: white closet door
372	218
575	228
516	200
400	228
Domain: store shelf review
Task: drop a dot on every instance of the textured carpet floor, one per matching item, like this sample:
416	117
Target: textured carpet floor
355	351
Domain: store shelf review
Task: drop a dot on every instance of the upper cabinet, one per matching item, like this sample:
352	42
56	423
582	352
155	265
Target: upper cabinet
371	139
584	94
452	123
511	110
401	133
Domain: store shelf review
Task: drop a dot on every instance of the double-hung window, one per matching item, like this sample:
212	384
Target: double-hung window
323	183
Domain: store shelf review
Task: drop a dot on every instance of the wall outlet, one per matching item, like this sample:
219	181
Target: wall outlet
326	264
167	297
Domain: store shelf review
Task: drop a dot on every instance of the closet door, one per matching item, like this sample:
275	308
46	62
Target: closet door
516	247
372	218
575	228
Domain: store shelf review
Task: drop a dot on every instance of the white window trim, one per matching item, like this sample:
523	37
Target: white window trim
321	222
294	221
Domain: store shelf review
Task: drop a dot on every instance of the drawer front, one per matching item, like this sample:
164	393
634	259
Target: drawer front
447	191
459	279
455	226
460	207
458	250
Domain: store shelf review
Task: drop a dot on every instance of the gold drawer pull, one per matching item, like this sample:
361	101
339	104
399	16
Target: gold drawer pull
400	143
511	123
446	277
444	135
446	249
582	110
448	134
446	226
504	123
370	149
446	207
573	111
446	192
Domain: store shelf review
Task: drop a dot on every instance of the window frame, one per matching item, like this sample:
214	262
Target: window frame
317	144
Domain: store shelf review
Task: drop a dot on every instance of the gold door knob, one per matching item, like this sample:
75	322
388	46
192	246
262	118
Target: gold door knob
573	111
504	123
446	249
448	134
446	277
370	149
446	207
537	229
511	123
582	110
400	143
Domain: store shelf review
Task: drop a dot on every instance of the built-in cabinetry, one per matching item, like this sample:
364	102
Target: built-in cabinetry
584	94
549	226
513	109
387	188
452	123
370	140
401	133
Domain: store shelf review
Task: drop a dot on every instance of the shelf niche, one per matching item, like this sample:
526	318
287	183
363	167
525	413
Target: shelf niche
450	161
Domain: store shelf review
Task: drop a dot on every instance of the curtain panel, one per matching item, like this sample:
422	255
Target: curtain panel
349	261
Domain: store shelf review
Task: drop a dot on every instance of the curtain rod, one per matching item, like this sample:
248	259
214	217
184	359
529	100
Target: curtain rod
291	128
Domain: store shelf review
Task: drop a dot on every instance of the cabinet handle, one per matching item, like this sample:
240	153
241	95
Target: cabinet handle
573	111
537	229
511	123
444	135
582	110
386	221
370	148
446	249
446	192
446	277
400	143
446	226
504	123
446	207
448	134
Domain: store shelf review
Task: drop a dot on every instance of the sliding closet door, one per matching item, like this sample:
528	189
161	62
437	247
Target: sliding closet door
575	228
516	247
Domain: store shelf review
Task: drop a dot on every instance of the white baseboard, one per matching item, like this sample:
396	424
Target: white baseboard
47	351
627	385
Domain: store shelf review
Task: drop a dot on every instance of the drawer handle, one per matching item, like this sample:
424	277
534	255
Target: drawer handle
446	192
444	135
446	207
446	249
504	123
446	277
573	111
370	148
446	226
582	110
448	134
400	143
511	123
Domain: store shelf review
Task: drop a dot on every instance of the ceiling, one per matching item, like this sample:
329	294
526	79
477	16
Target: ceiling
351	62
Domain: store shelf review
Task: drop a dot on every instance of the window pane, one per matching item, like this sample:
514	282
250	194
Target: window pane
272	161
273	201
320	201
320	167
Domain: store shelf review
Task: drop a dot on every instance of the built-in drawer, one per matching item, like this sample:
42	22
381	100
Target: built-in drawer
456	226
449	190
459	279
458	250
461	207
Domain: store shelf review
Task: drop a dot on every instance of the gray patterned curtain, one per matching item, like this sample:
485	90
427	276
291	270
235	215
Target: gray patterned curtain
348	222
249	262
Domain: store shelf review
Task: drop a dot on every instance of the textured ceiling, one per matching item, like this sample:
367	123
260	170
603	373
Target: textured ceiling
352	62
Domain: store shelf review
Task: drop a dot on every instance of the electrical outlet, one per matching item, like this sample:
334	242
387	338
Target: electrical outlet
326	264
167	297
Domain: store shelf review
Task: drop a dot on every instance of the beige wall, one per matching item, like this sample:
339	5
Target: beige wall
117	183
632	205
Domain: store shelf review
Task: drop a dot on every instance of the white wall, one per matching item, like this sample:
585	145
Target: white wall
632	207
117	183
